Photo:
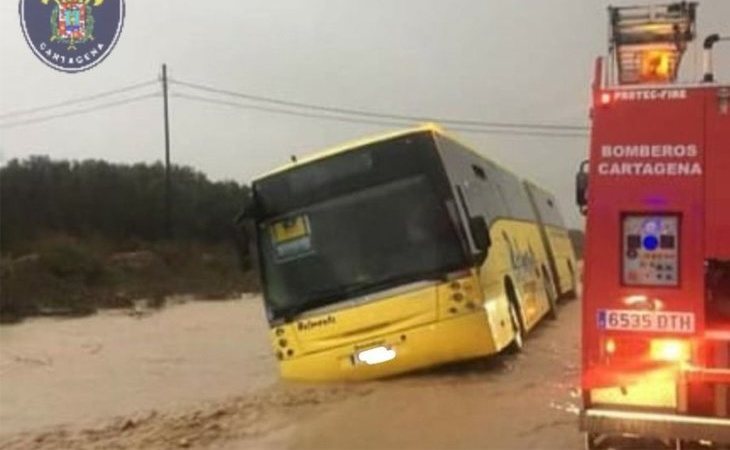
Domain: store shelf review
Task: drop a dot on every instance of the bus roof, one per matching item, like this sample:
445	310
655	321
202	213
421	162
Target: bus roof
351	145
358	143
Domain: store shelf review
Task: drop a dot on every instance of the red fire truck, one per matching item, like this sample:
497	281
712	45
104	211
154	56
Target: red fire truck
656	193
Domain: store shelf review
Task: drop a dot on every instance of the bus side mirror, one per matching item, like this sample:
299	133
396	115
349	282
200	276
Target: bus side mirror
581	187
480	235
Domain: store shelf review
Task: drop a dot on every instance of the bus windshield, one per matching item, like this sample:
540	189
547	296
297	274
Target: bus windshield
361	241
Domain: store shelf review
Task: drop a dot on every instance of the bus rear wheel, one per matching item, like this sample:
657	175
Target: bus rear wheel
573	293
551	294
518	342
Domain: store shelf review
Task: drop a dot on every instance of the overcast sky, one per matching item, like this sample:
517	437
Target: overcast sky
493	60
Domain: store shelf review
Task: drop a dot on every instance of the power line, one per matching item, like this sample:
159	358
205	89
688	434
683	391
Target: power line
334	113
357	112
285	111
520	133
78	111
370	121
77	100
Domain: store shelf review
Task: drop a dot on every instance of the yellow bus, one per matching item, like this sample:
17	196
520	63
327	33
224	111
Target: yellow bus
400	252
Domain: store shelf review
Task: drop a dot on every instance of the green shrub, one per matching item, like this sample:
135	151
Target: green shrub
70	276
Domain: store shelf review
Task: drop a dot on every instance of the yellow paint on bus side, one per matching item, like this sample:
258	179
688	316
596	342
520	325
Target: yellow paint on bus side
565	260
517	254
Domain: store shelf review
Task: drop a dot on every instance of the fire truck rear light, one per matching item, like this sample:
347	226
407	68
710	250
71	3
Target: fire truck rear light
605	98
625	348
670	350
610	346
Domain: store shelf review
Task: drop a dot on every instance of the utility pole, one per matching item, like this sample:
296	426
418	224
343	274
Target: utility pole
168	181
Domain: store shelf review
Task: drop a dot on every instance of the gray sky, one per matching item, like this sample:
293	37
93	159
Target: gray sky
519	61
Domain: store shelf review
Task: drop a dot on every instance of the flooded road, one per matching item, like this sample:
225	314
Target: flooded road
77	370
200	375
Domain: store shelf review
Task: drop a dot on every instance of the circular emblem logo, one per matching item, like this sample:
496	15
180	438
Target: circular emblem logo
72	35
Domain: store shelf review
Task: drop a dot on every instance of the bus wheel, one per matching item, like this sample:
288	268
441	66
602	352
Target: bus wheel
551	294
518	342
573	293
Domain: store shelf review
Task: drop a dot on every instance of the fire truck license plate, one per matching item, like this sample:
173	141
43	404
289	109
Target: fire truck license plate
631	320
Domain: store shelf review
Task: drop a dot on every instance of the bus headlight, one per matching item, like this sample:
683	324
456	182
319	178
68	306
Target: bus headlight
670	350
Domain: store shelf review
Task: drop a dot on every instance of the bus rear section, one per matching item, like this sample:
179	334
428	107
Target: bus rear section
389	255
563	273
656	315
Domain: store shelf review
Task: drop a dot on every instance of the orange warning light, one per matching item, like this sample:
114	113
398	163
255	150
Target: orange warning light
656	66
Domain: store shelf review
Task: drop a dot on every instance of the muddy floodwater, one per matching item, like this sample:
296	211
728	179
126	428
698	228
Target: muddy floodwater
201	375
75	370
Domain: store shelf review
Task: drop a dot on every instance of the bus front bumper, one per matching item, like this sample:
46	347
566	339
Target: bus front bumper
460	338
658	425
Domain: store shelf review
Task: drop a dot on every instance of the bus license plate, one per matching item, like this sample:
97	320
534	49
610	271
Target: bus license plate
375	355
631	320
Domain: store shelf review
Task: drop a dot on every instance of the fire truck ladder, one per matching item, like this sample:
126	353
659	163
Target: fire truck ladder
649	41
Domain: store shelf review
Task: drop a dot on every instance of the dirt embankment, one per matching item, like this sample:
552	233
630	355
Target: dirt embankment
201	376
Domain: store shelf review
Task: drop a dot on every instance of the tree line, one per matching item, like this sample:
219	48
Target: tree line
41	196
